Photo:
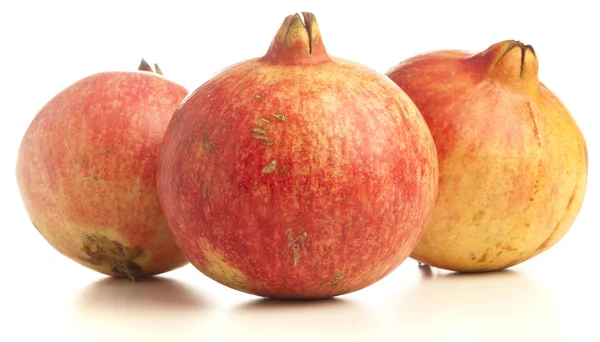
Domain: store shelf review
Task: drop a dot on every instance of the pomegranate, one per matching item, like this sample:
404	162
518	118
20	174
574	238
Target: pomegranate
297	174
513	162
86	171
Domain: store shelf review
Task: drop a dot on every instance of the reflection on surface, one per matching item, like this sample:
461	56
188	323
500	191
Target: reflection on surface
414	304
280	305
296	319
506	303
156	292
145	310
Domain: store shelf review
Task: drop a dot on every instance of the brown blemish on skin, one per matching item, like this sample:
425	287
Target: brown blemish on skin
484	257
261	134
556	228
345	289
478	216
270	167
206	190
259	130
258	96
100	250
507	248
108	150
548	239
536	131
215	267
572	197
336	279
260	137
82	160
294	244
208	146
280	116
285	169
265	120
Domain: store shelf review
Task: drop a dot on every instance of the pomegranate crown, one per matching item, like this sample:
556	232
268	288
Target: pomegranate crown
144	66
512	63
298	42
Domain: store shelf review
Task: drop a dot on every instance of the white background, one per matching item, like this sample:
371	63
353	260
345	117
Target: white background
47	45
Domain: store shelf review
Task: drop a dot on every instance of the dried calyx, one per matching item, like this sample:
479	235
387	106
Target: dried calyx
298	41
145	66
512	63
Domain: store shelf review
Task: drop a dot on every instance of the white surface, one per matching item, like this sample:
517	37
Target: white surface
47	45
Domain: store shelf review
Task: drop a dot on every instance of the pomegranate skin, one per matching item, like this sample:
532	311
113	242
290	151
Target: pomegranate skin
513	162
297	175
86	171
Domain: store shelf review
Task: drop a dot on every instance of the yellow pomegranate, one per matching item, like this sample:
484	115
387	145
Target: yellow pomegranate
513	162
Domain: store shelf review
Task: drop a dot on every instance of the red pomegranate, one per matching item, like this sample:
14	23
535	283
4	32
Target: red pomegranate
297	175
86	172
513	162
